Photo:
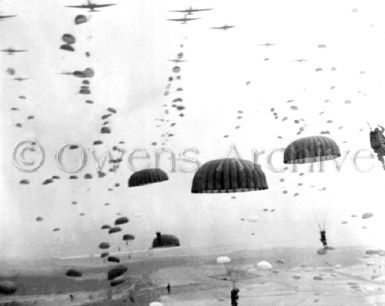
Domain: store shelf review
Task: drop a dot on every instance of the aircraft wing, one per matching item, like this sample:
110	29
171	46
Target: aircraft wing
104	5
176	19
200	10
79	6
183	19
180	11
7	16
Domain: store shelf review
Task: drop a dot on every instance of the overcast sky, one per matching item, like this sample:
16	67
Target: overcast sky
225	72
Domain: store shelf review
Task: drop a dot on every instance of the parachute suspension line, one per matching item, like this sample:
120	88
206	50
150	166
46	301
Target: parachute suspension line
369	125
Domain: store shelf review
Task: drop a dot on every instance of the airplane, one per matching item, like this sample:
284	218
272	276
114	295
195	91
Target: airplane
267	45
10	51
225	27
184	19
6	16
177	60
91	6
191	10
20	79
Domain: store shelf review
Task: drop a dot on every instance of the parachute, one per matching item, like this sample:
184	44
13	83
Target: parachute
128	237
73	273
311	149
79	19
367	215
228	175
115	229
7	287
116	282
121	220
104	254
39	219
223	260
105	226
68	38
113	259
164	241
147	176
67	47
264	265
116	272
104	245
156	304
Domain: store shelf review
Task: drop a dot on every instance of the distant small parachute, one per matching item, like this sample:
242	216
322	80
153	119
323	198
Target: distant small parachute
7	287
165	241
104	245
114	229
128	237
147	176
116	282
67	47
311	149
105	226
322	251
264	265
113	259
79	19
11	71
228	175
68	38
116	272
24	182
104	254
56	229
223	260
39	219
121	220
367	215
73	273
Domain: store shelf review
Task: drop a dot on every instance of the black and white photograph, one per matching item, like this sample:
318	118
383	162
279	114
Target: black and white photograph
192	153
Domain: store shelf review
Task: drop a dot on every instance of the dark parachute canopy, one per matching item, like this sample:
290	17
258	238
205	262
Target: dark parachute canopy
104	254
114	230
165	241
121	220
7	287
104	245
311	149
113	259
105	226
79	19
68	38
147	176
116	282
128	237
228	175
73	273
116	272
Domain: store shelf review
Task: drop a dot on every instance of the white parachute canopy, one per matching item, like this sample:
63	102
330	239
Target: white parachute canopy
223	259
156	304
264	265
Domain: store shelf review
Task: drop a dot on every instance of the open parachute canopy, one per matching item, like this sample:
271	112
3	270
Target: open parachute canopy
121	220
311	149
147	176
128	237
228	175
165	241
